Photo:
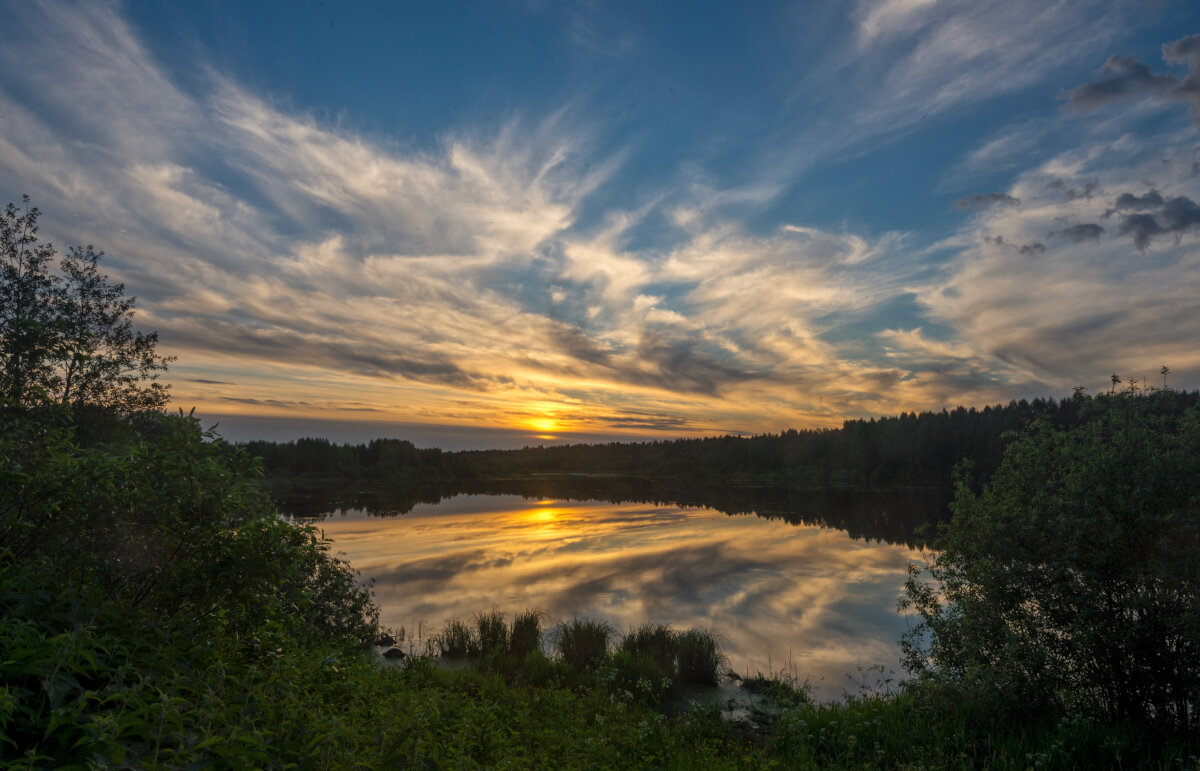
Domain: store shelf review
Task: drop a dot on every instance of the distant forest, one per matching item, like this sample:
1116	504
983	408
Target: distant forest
911	450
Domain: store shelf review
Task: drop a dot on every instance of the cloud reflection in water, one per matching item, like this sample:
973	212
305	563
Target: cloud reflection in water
806	599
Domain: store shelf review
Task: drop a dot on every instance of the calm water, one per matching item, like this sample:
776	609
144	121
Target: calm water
805	599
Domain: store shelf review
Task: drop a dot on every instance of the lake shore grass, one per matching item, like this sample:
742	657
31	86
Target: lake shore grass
632	701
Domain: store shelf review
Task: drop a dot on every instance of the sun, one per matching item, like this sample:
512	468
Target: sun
544	425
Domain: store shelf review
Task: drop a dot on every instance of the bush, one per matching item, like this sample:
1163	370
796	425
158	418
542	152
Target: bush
1071	582
144	587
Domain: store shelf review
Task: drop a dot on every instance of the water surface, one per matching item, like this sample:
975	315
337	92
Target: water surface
807	600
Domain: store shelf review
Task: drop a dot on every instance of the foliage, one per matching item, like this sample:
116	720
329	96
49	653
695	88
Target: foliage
689	657
67	337
135	578
931	726
1070	585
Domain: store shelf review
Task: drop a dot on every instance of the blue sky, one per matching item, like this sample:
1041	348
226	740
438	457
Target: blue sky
490	224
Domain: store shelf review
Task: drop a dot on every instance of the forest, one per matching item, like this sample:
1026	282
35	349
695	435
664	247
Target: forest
912	450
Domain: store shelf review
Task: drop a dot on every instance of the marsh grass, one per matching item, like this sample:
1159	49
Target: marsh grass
582	643
525	634
491	634
699	657
454	641
615	702
656	642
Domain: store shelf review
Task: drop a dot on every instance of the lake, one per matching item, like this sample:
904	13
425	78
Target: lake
785	588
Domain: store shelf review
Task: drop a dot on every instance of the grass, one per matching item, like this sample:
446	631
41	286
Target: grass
492	634
700	658
582	643
655	642
454	641
525	635
620	695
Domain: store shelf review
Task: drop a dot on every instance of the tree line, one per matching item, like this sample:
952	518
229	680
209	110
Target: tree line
909	450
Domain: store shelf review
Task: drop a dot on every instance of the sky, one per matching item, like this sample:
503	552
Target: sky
491	224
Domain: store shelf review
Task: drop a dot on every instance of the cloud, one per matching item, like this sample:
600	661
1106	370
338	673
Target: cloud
980	201
1149	215
1089	303
1078	234
1126	77
927	56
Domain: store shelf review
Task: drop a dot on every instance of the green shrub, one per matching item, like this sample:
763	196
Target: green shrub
1071	583
640	677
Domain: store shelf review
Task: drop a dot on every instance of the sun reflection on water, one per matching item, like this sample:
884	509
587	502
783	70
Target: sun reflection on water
781	596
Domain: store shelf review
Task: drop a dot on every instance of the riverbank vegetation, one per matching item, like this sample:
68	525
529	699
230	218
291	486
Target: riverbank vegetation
157	612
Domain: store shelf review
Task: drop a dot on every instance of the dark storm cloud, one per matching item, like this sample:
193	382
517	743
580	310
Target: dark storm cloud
1032	250
981	201
1149	215
1078	234
1126	76
574	342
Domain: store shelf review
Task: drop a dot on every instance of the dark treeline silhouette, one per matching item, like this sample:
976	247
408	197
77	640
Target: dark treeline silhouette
910	450
893	516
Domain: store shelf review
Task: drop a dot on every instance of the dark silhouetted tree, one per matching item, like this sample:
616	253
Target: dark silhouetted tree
67	336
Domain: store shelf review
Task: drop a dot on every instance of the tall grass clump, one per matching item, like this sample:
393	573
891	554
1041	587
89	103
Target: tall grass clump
699	657
525	634
582	643
492	634
654	642
454	641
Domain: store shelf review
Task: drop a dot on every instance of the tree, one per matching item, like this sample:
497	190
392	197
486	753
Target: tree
67	336
1071	581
